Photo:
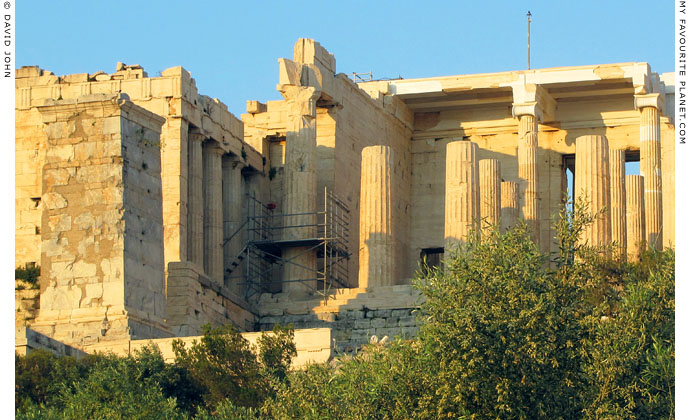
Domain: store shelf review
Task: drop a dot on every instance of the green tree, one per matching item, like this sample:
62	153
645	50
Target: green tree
503	331
226	367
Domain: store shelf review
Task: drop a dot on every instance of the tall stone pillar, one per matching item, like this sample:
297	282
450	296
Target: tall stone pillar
213	212
650	165
462	192
195	212
617	172
635	217
233	194
510	205
375	220
593	183
490	192
299	273
527	170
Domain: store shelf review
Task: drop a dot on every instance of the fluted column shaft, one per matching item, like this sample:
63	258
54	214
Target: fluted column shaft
300	190
490	192
233	194
375	221
510	205
527	172
195	213
635	217
617	174
213	212
462	194
650	168
592	181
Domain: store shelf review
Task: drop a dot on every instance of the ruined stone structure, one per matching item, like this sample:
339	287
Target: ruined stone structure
152	210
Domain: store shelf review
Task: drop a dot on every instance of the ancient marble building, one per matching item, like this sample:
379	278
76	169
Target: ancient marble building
152	210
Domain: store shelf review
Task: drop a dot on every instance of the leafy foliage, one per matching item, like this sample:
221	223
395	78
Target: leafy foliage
506	334
224	365
28	274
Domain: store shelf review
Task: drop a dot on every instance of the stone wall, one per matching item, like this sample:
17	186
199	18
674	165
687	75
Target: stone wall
194	300
102	274
353	315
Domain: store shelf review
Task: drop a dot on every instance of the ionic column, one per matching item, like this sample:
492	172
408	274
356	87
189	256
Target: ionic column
490	193
462	192
233	194
527	171
617	213
195	200
213	212
510	205
592	182
635	217
300	189
650	165
375	235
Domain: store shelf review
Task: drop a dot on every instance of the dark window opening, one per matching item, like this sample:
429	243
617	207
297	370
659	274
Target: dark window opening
430	259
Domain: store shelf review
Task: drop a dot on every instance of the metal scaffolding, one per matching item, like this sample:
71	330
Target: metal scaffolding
259	265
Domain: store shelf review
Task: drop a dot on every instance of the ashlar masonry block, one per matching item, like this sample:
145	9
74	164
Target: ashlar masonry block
107	280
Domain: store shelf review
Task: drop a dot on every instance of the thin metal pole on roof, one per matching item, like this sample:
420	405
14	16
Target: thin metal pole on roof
529	20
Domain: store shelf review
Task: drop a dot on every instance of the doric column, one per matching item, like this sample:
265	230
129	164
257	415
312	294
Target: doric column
617	213
213	212
195	211
462	192
490	192
510	205
527	167
299	197
233	198
650	164
592	182
375	235
635	217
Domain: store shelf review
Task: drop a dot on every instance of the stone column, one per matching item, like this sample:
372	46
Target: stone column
300	190
375	235
213	212
635	217
462	192
490	193
195	212
233	199
527	171
510	205
617	169
592	182
650	165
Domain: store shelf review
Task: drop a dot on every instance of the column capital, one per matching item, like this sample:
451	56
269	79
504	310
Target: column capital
527	108
301	100
654	100
533	99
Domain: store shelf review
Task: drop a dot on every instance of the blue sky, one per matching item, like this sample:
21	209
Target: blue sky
231	48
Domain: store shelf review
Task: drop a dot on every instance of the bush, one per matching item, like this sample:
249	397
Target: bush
225	367
29	275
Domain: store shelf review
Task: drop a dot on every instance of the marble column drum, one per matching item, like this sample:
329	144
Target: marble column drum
375	221
527	172
195	212
462	192
617	176
490	193
635	216
213	212
510	205
233	193
299	274
650	168
592	182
